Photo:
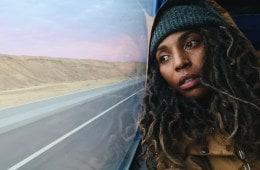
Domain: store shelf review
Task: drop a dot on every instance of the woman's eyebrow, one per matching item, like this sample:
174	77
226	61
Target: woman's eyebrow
161	48
184	36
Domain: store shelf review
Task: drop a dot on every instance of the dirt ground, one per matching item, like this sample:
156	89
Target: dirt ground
20	96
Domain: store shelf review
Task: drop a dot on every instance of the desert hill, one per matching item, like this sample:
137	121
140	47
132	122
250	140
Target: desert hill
24	71
27	78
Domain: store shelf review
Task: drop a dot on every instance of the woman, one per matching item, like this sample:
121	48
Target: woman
201	104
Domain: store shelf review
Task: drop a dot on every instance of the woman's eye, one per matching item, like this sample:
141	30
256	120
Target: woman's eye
191	44
163	59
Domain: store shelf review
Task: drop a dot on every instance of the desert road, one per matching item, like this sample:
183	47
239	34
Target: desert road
88	130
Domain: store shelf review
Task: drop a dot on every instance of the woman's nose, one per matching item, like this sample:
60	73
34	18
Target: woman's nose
181	62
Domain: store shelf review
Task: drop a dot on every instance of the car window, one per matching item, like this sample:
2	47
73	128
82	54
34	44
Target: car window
72	76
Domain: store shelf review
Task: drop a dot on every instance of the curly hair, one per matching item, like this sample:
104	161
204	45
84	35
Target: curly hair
231	71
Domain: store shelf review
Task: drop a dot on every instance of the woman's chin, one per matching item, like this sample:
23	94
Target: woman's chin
199	93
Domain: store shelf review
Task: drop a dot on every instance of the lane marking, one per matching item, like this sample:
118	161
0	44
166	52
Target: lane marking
44	149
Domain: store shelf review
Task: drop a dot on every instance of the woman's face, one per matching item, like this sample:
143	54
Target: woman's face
180	57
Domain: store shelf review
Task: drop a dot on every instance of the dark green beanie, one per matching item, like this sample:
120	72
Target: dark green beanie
182	15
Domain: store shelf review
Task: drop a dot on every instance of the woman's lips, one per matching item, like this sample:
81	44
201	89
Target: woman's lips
189	81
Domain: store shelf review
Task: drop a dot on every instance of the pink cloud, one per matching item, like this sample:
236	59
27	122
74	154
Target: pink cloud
123	48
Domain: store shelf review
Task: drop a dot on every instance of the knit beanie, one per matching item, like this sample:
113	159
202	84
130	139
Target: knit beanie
180	15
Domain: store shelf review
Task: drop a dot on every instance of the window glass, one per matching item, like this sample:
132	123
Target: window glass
45	44
72	76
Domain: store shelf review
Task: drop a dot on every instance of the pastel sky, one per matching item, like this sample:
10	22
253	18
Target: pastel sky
112	30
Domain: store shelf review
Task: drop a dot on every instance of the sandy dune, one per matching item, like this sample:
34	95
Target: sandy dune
25	78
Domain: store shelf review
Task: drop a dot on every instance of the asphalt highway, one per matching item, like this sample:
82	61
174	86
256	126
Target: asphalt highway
95	132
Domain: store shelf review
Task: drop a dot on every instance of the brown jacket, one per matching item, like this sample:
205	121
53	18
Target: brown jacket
220	156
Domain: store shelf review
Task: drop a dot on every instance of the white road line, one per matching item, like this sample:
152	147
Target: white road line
44	149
